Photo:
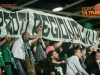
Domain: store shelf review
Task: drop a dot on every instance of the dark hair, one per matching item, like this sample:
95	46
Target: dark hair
50	54
53	42
87	51
75	49
98	50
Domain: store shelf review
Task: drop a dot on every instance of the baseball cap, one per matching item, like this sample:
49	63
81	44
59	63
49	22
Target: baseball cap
49	48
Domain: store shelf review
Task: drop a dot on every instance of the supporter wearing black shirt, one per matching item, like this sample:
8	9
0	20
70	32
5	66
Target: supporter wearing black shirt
91	63
54	65
56	68
92	60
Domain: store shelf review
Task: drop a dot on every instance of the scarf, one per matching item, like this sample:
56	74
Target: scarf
12	58
28	51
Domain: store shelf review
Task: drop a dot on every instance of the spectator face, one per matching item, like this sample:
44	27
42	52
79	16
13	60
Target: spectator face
98	56
26	36
55	55
78	53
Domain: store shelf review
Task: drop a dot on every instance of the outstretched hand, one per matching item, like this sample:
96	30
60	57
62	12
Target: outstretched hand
40	27
74	37
6	38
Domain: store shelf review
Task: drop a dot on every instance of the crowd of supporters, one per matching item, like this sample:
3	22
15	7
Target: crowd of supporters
40	56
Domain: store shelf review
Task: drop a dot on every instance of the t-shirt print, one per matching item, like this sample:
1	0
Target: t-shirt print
59	69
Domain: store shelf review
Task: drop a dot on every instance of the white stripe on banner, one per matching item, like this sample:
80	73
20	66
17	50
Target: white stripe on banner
55	27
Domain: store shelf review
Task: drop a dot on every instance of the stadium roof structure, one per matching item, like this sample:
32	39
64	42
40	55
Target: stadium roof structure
71	8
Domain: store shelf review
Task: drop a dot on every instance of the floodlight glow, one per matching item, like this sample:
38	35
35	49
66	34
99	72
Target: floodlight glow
57	9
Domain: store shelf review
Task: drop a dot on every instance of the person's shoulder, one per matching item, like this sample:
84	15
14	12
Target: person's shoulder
93	53
18	39
51	64
74	57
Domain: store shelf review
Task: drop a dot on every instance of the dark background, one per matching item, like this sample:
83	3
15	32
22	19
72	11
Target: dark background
72	8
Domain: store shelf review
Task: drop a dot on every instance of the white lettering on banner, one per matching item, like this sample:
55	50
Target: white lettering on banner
46	25
37	22
63	30
55	27
59	28
15	23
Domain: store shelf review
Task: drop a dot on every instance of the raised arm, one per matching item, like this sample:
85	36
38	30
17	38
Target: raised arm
43	44
96	47
60	43
3	41
34	49
12	41
38	34
73	38
71	41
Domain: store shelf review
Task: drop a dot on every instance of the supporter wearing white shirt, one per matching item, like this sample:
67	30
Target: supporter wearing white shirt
73	64
18	48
